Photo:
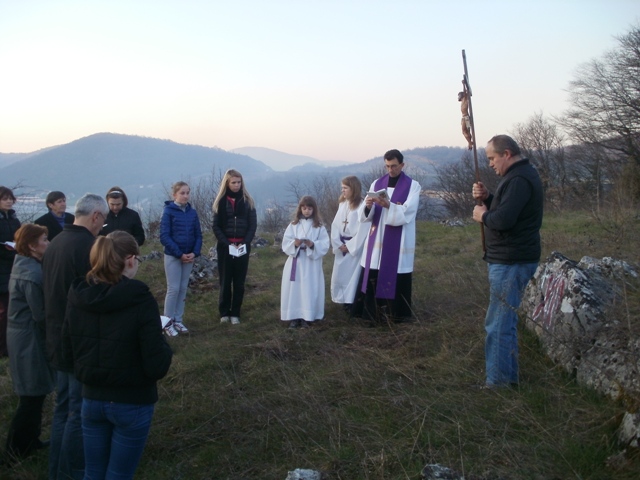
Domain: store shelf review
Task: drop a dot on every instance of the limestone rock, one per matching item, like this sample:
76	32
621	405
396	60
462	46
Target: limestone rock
572	308
577	311
304	474
438	472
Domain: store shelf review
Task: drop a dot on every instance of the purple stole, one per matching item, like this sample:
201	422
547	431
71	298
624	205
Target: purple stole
390	249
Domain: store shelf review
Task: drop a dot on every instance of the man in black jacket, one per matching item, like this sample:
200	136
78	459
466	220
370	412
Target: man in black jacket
66	259
512	218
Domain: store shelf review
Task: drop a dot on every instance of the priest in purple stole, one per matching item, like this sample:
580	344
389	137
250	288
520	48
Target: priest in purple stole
384	290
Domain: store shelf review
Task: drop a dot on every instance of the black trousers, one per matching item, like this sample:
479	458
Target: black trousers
233	273
367	306
24	431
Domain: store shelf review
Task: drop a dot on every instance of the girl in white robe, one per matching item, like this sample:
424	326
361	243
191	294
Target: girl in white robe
305	242
347	242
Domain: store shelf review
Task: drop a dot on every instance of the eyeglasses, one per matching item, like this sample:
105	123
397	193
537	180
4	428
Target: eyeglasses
138	259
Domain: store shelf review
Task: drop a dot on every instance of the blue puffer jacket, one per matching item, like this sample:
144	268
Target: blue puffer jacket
180	230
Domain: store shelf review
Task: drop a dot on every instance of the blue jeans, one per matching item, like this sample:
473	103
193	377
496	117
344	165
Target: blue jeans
114	438
66	457
177	283
506	283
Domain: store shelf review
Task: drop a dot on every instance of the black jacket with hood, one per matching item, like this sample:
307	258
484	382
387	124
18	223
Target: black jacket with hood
113	336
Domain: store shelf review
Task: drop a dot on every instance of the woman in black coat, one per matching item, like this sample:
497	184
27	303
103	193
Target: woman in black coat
113	336
9	225
121	217
57	217
234	225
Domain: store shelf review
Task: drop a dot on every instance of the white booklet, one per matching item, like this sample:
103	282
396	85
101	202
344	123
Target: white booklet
11	245
238	251
379	194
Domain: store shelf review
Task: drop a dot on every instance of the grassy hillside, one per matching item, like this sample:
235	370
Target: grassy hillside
256	400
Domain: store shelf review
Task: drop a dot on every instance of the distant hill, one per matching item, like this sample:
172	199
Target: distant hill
9	158
281	161
145	167
97	162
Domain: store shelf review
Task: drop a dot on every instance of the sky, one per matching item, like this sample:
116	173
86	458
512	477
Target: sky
340	80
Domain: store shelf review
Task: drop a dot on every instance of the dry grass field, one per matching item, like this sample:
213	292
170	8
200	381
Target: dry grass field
256	400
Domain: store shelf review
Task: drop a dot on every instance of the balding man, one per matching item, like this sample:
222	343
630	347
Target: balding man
512	217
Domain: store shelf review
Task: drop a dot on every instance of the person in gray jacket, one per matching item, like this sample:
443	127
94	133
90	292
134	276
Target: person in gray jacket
32	375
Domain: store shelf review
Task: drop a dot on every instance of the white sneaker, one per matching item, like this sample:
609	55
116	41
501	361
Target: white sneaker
180	328
224	319
235	320
170	330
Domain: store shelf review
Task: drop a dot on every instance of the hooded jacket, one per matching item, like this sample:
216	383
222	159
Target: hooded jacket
112	336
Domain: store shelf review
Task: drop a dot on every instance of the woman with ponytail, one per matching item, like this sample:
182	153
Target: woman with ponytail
113	335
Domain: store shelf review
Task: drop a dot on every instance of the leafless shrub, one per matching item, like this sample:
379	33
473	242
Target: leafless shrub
455	181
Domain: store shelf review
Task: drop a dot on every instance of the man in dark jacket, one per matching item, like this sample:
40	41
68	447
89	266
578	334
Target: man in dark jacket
512	218
66	259
121	217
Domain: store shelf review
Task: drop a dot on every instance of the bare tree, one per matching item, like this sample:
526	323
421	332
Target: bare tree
276	218
326	191
605	98
543	144
455	180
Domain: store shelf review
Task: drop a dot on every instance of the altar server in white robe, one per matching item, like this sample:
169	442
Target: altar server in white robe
305	242
384	289
347	238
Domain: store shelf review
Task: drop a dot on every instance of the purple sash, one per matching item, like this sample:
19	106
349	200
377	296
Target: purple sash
344	240
294	264
390	254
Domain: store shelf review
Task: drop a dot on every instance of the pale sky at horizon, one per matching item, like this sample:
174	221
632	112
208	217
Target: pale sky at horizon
335	80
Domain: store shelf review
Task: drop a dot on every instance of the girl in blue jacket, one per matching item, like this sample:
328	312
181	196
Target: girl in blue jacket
181	237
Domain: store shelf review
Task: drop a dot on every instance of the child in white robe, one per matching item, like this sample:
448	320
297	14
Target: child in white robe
305	242
347	241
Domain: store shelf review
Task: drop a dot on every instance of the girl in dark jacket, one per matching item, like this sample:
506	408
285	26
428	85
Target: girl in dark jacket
182	239
9	224
234	225
113	335
121	217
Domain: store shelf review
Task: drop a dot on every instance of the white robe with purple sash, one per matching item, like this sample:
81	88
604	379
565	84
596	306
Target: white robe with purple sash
346	267
303	297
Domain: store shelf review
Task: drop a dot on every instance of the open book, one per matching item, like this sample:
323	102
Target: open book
237	251
382	194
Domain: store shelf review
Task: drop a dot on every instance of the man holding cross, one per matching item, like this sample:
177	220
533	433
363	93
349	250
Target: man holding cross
389	210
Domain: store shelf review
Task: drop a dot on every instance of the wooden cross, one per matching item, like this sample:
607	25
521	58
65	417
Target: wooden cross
345	225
